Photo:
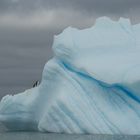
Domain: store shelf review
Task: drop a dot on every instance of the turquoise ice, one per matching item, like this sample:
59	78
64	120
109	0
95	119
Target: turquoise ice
91	85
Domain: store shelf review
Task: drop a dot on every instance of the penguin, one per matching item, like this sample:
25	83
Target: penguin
36	84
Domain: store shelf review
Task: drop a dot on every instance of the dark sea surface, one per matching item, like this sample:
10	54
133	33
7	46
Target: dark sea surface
54	136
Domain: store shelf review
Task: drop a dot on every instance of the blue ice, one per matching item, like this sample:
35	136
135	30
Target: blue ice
90	86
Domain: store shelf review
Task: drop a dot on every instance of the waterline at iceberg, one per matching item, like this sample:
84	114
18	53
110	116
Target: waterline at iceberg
91	85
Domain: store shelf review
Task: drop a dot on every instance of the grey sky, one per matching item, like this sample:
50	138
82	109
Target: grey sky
107	6
27	28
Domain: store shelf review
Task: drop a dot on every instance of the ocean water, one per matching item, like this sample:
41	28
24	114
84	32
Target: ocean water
52	136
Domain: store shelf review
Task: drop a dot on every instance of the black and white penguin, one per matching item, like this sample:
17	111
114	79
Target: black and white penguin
36	84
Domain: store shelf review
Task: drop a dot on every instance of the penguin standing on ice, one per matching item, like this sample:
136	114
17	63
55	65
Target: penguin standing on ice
36	84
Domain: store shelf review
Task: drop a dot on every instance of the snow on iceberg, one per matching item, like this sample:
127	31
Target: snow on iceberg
92	84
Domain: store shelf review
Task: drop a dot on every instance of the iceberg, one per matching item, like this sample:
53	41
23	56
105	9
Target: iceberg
90	86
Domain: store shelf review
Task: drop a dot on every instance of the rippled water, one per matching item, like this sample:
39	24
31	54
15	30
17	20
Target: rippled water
52	136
